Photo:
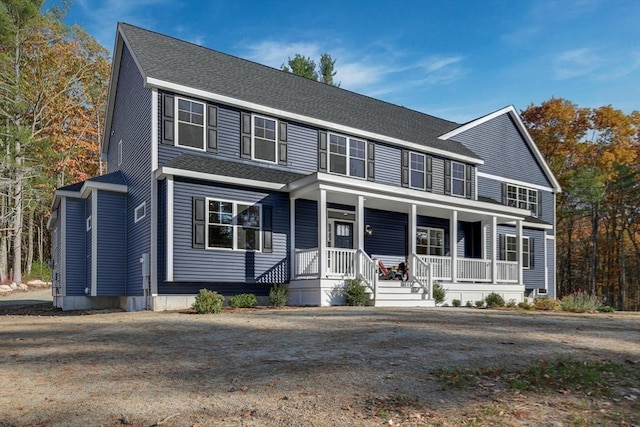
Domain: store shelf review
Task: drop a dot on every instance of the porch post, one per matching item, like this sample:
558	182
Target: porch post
292	238
483	239
453	244
519	249
412	230
360	223
322	233
493	244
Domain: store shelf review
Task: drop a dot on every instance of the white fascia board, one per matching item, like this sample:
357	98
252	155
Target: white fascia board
164	171
186	90
63	193
523	130
550	237
52	217
515	182
91	185
537	225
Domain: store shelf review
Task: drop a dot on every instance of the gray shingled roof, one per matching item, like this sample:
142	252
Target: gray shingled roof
111	178
176	61
232	169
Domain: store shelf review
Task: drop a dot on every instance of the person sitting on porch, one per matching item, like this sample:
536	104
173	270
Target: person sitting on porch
404	270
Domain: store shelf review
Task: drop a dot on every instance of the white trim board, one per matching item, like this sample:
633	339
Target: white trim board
514	182
165	171
169	230
94	242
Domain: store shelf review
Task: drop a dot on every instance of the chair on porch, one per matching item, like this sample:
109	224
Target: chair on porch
384	273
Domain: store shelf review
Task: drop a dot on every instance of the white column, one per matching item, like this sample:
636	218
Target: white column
360	223
413	216
322	233
453	244
546	261
292	238
519	249
169	184
94	242
494	249
483	239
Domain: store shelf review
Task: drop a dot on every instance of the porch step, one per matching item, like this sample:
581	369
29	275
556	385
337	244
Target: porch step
381	302
399	294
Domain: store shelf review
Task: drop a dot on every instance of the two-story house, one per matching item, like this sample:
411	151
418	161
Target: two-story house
232	176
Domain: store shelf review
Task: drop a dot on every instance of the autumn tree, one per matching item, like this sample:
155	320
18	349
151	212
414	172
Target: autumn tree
306	67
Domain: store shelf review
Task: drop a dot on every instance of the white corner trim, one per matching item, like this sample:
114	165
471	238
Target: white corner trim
154	129
165	171
63	246
514	182
94	242
169	242
153	257
546	262
181	89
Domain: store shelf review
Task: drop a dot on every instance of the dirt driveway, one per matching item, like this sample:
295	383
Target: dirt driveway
303	366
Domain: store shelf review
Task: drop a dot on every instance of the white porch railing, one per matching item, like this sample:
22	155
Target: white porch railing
421	273
508	271
306	263
367	271
341	262
473	269
440	266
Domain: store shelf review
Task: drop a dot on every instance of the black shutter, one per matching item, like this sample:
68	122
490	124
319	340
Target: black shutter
371	161
282	144
405	168
447	177
322	151
212	128
267	229
539	206
167	119
429	173
504	194
531	250
245	137
503	247
198	218
467	180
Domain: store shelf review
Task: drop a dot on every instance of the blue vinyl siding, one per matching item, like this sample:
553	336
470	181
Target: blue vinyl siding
504	150
215	265
551	277
533	277
389	238
132	125
302	148
76	263
306	224
388	164
111	228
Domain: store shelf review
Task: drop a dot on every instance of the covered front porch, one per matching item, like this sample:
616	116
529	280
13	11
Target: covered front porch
339	233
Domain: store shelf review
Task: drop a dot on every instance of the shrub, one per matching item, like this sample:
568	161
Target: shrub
456	303
469	304
39	270
524	305
511	303
439	293
208	302
580	302
278	295
480	303
606	309
494	300
355	292
545	304
243	301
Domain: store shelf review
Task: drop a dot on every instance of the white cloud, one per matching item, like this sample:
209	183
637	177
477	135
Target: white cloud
274	54
576	63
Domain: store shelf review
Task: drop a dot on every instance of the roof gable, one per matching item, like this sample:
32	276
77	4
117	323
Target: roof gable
180	65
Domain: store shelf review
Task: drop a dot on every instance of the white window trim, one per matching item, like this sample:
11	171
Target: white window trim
534	212
347	155
177	122
89	223
424	170
120	153
142	206
234	212
428	230
526	249
253	139
464	179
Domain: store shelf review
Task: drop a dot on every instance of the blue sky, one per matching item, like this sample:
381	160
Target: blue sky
456	59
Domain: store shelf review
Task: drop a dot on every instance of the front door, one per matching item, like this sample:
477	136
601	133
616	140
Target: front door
343	232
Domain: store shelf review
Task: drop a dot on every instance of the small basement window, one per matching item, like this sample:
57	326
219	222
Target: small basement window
89	223
140	212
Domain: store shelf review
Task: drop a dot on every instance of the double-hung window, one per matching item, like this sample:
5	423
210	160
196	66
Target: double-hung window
509	250
523	198
264	139
190	127
458	182
347	156
429	241
417	171
233	225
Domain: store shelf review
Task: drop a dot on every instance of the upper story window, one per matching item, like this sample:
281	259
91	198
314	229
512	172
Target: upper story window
347	156
233	225
458	181
417	170
264	139
523	198
190	129
429	241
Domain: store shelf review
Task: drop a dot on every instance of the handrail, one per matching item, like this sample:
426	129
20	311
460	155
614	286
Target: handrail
421	273
367	271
